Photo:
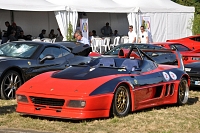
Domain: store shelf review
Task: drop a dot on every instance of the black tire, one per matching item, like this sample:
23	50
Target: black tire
9	84
121	102
183	92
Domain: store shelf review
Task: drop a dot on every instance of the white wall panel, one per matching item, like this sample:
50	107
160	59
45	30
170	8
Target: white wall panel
118	21
33	22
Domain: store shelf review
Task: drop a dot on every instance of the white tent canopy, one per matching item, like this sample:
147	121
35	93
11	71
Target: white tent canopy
108	6
30	5
168	19
156	6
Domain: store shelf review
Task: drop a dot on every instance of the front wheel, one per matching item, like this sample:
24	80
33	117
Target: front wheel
183	92
121	102
9	84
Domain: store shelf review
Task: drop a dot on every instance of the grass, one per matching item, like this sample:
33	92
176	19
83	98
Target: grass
165	119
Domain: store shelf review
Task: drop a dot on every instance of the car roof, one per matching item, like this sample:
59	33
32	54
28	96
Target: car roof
40	43
166	43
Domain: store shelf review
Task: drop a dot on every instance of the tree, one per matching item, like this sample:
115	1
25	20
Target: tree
70	35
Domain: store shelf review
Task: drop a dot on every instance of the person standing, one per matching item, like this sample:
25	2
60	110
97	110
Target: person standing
131	35
16	28
143	37
7	33
106	30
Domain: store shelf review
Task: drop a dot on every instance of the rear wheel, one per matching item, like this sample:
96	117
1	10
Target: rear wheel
9	84
121	102
183	92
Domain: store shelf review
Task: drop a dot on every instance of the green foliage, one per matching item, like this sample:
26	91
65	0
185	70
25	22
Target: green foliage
196	20
196	24
70	35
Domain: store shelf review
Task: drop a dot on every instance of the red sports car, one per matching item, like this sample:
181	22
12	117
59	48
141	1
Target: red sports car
104	87
193	42
188	55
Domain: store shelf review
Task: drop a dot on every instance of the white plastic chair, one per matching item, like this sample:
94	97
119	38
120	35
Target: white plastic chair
96	43
124	39
115	42
53	40
37	40
105	44
21	40
46	40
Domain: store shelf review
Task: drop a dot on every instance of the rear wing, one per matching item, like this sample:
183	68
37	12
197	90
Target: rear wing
142	54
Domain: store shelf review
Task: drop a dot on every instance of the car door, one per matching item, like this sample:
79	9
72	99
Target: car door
59	62
147	85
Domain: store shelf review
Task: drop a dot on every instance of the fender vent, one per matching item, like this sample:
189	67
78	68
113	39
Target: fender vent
172	89
169	89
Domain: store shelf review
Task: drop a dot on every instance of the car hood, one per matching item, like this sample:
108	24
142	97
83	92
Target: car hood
46	85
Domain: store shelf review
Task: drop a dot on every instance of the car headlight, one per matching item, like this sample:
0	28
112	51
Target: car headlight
22	98
76	103
187	69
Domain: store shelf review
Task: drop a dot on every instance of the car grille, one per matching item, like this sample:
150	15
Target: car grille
47	101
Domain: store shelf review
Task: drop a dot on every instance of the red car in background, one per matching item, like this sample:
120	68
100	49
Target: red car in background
193	42
188	55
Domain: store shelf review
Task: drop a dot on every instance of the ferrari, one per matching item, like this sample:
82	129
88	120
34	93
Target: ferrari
188	55
76	47
104	87
20	61
193	42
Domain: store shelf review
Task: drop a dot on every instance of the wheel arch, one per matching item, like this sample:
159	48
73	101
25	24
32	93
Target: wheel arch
187	78
17	69
130	88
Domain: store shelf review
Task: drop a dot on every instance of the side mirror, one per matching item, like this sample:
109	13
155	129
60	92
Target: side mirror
47	57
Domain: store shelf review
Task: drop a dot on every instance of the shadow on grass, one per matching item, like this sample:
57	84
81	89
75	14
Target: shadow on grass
195	88
7	109
63	119
192	101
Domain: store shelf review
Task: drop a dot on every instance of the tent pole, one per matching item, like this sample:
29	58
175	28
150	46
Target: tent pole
138	24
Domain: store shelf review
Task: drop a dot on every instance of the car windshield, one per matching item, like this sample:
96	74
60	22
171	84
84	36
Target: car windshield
19	50
116	49
179	47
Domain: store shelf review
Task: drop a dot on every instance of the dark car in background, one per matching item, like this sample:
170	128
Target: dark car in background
22	60
193	70
76	47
